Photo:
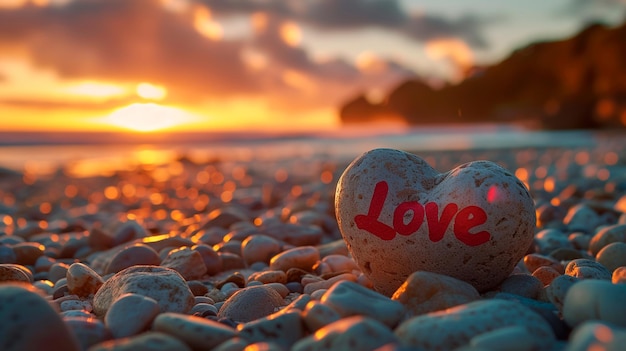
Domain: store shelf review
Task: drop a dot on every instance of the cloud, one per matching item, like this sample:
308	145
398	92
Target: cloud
333	15
141	41
595	10
125	41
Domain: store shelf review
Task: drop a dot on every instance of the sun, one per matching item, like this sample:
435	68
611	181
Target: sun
148	117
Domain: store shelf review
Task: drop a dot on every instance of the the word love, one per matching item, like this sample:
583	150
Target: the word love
464	220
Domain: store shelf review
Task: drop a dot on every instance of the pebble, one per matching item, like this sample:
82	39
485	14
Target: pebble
203	309
57	271
82	280
212	261
612	256
310	288
425	292
546	274
187	262
587	269
130	314
534	261
619	275
514	338
148	341
349	298
88	331
233	344
524	285
339	263
303	257
548	240
595	300
266	277
581	218
316	315
556	291
10	272
356	333
7	255
251	303
27	253
594	335
30	323
137	254
607	235
197	332
79	305
282	329
259	248
162	284
111	235
456	327
380	193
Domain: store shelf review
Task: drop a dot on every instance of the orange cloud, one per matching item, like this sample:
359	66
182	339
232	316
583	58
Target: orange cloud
454	50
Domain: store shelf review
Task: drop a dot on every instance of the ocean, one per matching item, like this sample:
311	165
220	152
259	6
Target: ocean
96	153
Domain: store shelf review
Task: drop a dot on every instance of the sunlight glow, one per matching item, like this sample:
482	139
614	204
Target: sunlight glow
298	80
368	62
259	21
290	33
96	89
205	25
454	50
148	117
151	91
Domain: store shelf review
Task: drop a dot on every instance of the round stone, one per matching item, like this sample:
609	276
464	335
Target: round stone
164	285
612	256
398	215
595	300
30	323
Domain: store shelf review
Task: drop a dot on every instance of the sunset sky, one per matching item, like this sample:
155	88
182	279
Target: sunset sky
248	64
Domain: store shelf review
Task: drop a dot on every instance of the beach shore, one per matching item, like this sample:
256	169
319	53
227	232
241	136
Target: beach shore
233	254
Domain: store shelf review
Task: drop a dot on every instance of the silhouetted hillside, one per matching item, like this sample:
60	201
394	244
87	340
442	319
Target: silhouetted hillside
575	83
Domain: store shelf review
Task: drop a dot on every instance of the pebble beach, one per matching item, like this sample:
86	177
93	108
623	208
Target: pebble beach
231	253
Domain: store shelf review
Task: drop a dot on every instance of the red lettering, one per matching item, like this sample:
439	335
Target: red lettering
466	219
437	227
415	223
370	221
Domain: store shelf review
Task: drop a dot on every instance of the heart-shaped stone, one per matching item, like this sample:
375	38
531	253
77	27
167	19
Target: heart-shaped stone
398	215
